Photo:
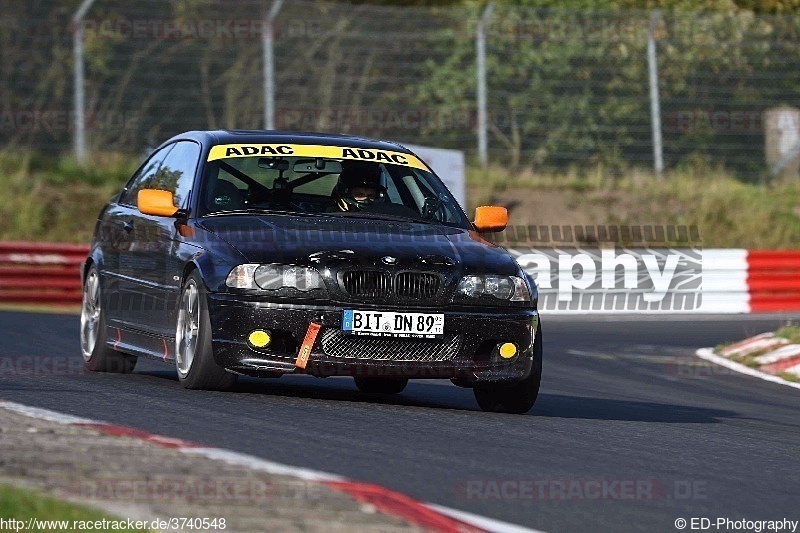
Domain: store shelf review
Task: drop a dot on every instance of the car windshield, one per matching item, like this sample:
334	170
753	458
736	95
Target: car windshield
333	187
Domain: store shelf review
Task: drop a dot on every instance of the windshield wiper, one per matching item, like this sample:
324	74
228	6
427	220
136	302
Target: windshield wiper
344	214
263	211
379	216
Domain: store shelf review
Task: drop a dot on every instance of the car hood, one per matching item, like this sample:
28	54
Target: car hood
337	241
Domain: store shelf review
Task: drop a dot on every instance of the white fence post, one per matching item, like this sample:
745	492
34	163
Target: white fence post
655	104
269	66
78	81
480	52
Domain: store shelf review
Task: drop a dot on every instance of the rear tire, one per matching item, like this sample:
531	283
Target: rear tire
516	398
381	385
97	354
194	358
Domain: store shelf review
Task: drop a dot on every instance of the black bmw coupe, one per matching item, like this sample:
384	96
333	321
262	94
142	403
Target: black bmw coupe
264	253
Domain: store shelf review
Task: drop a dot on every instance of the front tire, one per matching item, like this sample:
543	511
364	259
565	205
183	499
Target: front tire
516	398
97	354
381	385
194	358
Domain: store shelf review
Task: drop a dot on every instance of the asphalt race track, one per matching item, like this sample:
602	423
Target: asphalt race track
631	431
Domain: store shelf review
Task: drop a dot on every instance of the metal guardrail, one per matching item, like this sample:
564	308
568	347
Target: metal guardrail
41	273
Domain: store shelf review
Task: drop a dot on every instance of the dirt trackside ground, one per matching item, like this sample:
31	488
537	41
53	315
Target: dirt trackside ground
131	478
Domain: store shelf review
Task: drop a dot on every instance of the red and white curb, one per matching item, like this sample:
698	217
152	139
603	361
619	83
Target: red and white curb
775	354
764	341
431	517
784	359
709	355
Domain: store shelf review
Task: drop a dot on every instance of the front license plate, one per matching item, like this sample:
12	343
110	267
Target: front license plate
389	324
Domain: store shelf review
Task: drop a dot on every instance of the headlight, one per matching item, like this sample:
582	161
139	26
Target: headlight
274	277
510	288
241	277
471	286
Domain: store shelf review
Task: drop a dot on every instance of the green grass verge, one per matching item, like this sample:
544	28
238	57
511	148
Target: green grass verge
24	505
791	333
728	212
54	199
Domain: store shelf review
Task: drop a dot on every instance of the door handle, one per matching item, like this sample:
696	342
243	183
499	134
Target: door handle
127	226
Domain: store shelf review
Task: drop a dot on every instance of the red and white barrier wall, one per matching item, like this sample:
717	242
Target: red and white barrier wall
41	273
725	288
662	280
720	281
773	280
751	281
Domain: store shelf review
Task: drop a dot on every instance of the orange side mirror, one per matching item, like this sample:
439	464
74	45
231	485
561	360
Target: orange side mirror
156	202
490	218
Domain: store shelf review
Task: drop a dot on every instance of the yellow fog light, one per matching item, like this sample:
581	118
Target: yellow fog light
508	350
259	338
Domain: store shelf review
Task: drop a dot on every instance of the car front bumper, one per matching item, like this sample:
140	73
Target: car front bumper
468	353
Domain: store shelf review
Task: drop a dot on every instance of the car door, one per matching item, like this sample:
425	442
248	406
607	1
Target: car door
118	224
163	249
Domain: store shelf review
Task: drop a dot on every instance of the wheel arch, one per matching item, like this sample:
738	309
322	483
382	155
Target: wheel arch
205	267
95	257
188	268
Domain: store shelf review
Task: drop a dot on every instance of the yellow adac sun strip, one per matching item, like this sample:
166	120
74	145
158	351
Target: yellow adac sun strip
222	151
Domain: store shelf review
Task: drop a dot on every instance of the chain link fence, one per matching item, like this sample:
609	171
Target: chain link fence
567	91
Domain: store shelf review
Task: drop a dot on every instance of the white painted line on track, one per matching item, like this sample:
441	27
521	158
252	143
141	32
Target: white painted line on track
262	465
489	524
458	520
44	414
709	355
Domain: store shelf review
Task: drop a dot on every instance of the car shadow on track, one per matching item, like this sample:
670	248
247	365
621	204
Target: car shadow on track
417	394
441	396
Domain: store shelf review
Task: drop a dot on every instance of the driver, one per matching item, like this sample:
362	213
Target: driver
359	186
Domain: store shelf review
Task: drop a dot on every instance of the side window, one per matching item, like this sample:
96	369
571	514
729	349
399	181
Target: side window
177	172
143	176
